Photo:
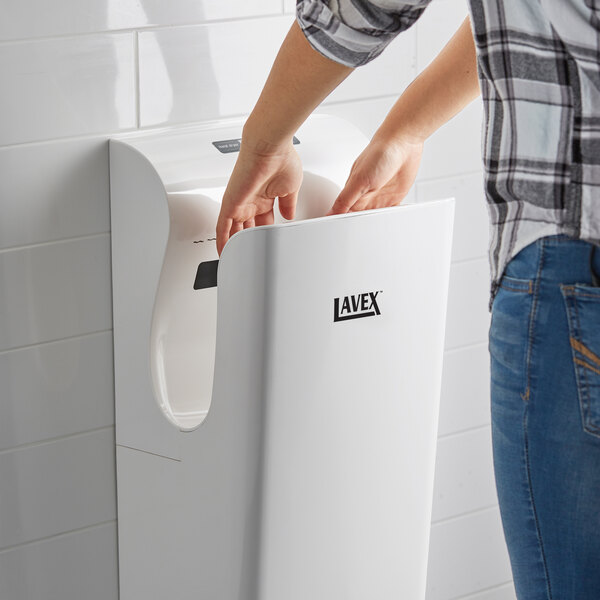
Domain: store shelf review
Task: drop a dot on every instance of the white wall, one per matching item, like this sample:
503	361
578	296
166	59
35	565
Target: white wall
71	76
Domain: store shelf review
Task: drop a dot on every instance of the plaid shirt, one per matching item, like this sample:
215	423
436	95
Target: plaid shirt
539	69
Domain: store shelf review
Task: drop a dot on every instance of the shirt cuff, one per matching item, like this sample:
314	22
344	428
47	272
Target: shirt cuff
354	36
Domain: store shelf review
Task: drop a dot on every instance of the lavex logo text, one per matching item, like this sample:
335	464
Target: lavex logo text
356	307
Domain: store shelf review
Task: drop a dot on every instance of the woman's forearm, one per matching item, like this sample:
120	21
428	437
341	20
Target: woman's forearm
299	80
442	90
268	167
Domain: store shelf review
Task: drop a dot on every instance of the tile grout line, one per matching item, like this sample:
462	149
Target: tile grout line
478	593
74	238
465	347
329	103
460	516
141	29
461	432
136	78
455	175
462	261
469	345
58	535
59	438
56	341
104	135
100	136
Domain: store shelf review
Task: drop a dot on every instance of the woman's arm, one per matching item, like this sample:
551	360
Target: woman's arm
384	173
269	167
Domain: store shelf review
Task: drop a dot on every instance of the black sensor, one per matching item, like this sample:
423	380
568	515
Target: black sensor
206	275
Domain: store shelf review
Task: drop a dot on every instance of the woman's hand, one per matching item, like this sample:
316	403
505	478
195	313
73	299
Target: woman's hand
260	175
381	176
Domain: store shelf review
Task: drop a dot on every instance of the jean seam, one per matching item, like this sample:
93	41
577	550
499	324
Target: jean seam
525	288
526	399
532	315
533	507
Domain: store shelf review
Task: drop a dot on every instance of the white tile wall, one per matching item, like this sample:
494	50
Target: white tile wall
198	73
62	388
456	147
171	92
53	291
464	479
464	403
80	565
468	318
467	555
470	239
53	191
84	70
502	592
435	28
367	115
66	86
54	487
387	75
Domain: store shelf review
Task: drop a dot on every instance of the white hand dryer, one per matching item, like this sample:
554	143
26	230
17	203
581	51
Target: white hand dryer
276	410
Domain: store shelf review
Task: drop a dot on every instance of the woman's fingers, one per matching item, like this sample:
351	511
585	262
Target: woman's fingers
287	205
264	219
354	189
253	186
223	229
235	227
381	176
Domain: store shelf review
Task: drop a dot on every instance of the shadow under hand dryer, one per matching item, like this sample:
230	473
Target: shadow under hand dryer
276	410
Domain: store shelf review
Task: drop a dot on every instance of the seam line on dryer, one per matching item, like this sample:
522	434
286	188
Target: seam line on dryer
148	452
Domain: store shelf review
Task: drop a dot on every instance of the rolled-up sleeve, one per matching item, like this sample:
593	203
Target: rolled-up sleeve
354	32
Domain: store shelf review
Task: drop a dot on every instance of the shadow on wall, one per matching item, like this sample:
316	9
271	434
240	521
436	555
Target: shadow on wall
170	69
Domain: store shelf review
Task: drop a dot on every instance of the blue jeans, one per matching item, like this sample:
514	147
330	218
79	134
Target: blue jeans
545	366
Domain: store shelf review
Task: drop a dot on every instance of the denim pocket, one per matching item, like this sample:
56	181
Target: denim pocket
512	284
583	314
